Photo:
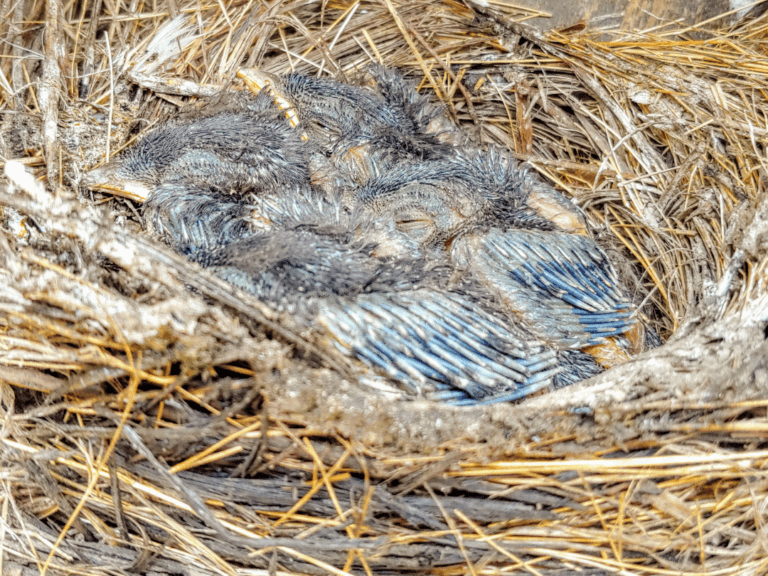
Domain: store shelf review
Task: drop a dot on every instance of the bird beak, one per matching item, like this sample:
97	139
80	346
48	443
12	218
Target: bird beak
104	179
549	205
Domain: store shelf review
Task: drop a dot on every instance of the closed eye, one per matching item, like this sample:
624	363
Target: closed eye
414	224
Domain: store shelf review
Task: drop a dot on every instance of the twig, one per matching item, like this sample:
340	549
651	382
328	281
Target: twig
111	93
50	85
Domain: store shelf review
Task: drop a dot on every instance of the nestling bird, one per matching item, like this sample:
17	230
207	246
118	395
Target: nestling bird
366	216
203	174
363	130
556	280
405	317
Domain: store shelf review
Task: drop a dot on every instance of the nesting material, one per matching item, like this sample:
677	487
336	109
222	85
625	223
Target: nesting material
157	420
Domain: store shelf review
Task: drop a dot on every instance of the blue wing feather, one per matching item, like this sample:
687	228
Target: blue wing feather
561	285
442	342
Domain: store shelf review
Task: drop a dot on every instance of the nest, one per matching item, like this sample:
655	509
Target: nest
155	420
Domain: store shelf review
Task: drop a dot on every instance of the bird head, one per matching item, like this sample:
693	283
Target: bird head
135	172
114	177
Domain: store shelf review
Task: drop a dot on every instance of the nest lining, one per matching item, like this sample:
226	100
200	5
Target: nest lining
127	400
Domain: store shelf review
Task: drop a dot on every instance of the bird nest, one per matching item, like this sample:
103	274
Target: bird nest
156	420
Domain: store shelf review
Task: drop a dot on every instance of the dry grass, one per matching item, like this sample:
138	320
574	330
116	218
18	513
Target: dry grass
151	430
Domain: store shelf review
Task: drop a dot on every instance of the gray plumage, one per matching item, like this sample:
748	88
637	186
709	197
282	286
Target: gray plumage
206	170
559	284
403	317
401	93
427	199
236	143
479	188
364	130
448	270
193	217
342	108
428	118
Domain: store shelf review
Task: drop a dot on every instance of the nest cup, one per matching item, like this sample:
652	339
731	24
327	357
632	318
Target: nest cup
151	427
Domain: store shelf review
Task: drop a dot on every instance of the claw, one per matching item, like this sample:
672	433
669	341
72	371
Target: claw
257	80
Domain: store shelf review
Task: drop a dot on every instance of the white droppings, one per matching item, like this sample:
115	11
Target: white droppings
641	96
121	254
17	223
23	179
743	6
166	45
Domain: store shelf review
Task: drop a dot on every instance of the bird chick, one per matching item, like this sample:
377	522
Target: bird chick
334	106
446	269
402	317
428	200
234	144
363	130
201	176
428	118
477	205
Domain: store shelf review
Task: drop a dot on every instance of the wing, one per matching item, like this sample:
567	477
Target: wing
194	219
445	345
561	285
441	345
